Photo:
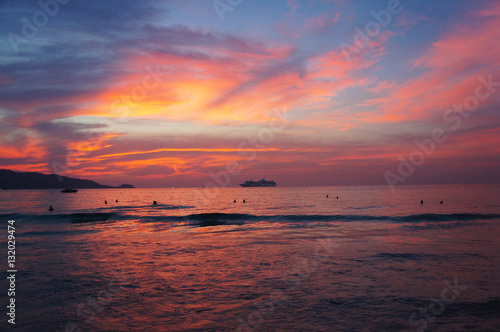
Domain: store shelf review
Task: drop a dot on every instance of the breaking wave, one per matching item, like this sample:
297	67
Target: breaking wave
238	218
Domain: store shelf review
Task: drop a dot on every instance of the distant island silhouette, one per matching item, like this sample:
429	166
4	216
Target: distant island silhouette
32	180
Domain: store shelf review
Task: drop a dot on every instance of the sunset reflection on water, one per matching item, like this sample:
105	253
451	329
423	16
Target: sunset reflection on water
155	268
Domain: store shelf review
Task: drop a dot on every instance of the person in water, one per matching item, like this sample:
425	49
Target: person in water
51	208
116	201
105	202
155	203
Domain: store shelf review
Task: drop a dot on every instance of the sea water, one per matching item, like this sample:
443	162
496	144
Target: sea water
286	259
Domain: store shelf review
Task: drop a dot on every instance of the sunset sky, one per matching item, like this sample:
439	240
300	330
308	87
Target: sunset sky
305	92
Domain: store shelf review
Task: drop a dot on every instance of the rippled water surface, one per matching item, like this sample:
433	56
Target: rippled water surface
287	259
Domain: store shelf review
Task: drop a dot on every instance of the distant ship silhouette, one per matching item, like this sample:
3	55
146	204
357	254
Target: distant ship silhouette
69	190
260	183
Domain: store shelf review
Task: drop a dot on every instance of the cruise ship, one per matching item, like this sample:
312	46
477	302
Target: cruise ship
260	183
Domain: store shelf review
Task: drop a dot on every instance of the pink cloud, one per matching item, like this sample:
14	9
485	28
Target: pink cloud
449	73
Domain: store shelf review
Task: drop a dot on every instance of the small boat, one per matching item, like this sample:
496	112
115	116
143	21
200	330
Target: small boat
260	183
69	190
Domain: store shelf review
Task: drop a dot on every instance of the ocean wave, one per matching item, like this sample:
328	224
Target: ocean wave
448	217
90	217
71	217
238	218
406	256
